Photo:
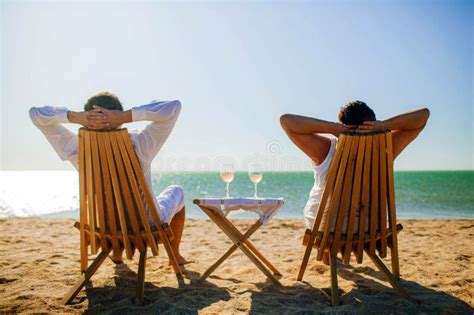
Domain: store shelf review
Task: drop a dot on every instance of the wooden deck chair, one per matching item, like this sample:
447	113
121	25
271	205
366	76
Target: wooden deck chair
114	198
357	210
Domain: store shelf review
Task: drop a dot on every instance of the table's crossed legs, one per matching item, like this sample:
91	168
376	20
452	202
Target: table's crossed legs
242	242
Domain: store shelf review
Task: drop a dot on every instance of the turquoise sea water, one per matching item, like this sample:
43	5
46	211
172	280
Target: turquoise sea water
420	194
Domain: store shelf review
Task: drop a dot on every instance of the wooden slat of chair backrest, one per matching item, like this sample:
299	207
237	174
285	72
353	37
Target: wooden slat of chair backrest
360	184
116	189
391	207
149	200
142	183
109	199
83	203
90	190
110	183
336	191
121	141
126	191
329	184
383	196
146	194
355	199
98	189
374	194
345	195
365	198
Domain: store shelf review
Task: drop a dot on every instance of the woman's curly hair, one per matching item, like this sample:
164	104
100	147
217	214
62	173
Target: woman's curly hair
355	113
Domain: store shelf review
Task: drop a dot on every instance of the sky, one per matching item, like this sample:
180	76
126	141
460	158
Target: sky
236	67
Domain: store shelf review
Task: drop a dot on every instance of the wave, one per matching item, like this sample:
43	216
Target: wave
36	193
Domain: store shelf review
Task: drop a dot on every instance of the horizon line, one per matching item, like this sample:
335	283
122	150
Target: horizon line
245	171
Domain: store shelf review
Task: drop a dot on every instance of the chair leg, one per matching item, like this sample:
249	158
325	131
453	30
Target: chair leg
395	264
171	254
81	282
391	278
334	286
141	277
307	254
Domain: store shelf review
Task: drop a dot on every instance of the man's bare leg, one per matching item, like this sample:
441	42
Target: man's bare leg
177	225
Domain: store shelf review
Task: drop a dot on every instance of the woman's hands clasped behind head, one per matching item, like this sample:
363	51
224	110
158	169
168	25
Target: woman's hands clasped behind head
368	126
345	128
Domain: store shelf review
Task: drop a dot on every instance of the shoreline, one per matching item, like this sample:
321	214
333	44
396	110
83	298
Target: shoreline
40	261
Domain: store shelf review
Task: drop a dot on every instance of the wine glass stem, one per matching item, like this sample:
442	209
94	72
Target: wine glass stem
227	190
255	191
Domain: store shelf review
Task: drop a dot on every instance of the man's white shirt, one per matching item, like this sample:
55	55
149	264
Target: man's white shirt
147	142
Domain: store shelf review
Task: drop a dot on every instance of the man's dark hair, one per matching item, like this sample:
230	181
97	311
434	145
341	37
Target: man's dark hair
355	113
103	99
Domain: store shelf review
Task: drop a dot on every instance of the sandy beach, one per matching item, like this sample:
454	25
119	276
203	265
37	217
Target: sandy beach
39	261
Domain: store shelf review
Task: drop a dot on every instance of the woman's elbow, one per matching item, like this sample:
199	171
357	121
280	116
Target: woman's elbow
422	118
426	114
285	121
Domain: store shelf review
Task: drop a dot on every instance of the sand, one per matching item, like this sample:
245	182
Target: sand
39	262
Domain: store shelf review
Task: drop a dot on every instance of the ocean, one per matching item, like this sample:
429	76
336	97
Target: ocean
419	194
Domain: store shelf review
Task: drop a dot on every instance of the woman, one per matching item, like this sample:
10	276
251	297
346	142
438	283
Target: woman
306	134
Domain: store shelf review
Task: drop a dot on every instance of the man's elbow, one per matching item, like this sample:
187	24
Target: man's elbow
34	116
177	106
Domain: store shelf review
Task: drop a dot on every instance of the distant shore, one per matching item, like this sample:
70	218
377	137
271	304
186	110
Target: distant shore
40	261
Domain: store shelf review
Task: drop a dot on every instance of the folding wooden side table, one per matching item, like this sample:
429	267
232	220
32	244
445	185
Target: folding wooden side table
217	210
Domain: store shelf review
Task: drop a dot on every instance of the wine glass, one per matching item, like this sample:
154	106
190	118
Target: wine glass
255	175
227	175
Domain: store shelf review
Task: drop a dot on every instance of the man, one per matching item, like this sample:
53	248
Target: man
305	133
104	111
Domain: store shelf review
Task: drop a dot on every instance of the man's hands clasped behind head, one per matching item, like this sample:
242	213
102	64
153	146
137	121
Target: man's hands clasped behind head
100	118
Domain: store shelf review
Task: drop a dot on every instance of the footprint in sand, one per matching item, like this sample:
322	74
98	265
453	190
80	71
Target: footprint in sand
463	258
57	256
319	269
18	266
25	297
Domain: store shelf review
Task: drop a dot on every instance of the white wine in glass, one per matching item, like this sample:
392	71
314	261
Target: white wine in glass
255	175
227	175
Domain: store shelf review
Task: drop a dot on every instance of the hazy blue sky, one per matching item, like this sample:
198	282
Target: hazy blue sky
236	67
